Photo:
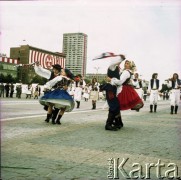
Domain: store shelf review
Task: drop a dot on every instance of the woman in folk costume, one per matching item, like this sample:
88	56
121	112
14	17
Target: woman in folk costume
127	96
58	97
137	84
56	71
50	75
154	92
94	93
175	84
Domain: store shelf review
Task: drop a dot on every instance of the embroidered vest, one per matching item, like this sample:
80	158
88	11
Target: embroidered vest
128	80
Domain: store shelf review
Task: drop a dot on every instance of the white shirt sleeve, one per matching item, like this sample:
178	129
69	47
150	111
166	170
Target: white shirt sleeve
52	82
42	72
114	61
124	76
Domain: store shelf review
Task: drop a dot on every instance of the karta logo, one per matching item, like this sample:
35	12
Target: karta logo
49	61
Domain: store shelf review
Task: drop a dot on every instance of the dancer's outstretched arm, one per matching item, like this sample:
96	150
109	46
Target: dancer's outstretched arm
41	71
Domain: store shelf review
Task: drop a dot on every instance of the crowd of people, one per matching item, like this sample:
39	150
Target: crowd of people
8	90
123	90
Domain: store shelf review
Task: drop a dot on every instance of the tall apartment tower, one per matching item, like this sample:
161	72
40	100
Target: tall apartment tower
75	50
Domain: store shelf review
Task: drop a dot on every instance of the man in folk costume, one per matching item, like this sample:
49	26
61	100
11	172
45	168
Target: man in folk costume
114	115
175	84
127	96
154	92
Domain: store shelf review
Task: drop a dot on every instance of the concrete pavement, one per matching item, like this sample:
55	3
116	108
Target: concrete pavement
80	148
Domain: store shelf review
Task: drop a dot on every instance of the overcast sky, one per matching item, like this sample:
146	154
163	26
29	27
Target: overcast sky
146	31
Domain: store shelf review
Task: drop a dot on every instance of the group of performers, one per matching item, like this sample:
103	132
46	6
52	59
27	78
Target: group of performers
174	84
122	91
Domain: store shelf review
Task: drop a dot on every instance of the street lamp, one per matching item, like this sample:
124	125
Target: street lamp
97	68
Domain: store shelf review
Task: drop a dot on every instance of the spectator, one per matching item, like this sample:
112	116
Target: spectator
2	90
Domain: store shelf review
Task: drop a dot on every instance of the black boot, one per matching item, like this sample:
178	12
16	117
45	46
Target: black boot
78	104
55	112
155	107
176	108
172	108
45	108
93	106
48	118
109	123
118	122
58	119
151	108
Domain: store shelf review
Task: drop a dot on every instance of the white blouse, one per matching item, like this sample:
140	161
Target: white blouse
118	82
52	82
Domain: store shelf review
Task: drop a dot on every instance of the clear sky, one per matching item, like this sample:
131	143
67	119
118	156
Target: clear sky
146	31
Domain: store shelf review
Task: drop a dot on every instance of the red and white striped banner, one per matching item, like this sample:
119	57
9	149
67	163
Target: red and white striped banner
8	60
46	60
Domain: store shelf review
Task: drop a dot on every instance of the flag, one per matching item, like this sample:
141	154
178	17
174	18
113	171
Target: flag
105	55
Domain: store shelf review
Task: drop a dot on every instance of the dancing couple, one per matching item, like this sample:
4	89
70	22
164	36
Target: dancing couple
120	94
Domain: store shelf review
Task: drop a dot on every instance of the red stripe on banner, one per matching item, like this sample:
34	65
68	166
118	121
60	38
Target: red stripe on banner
32	56
63	62
54	60
57	60
38	58
44	61
41	55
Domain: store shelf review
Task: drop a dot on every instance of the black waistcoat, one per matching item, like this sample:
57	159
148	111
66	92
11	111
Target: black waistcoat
113	74
157	83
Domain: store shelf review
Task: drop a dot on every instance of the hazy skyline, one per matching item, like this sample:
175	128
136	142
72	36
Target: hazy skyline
148	32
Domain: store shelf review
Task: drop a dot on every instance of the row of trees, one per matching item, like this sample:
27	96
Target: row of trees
36	79
10	79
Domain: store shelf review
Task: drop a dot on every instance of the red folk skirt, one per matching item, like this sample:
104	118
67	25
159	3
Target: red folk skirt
129	99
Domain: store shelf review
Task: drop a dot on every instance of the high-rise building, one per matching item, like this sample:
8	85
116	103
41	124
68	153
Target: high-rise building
75	50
